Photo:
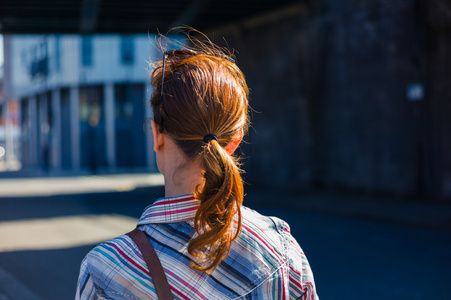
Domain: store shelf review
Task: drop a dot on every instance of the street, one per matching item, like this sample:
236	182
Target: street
45	237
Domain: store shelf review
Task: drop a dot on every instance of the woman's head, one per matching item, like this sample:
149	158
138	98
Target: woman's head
203	107
204	92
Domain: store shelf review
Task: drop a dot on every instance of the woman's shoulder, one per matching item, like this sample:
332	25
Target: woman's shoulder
254	220
108	255
265	234
110	271
274	235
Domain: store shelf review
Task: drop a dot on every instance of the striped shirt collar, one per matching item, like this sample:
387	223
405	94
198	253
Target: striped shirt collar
170	210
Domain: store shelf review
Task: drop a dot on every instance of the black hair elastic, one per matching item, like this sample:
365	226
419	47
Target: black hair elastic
209	137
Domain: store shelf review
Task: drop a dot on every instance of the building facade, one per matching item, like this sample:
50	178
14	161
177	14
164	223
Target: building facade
82	101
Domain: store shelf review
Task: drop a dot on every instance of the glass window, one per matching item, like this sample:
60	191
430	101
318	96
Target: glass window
127	49
123	102
57	53
86	50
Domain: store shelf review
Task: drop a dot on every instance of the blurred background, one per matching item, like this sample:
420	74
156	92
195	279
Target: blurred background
350	140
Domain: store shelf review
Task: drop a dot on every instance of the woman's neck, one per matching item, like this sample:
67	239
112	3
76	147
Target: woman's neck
183	179
181	174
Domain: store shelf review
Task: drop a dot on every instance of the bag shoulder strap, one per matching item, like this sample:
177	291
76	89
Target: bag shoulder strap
153	264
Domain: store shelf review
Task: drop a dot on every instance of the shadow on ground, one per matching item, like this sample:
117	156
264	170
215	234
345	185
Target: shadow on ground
353	258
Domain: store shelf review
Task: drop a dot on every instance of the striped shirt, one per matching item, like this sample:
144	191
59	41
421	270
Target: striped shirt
265	261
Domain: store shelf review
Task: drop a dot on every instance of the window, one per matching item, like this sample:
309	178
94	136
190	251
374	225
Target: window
86	51
39	60
127	49
57	53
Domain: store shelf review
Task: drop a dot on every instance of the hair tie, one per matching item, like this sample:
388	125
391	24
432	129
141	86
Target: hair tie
209	137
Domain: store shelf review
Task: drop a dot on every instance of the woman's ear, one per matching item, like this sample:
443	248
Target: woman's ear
158	139
231	147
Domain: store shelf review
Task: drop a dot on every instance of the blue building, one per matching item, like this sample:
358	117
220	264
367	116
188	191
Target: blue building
82	100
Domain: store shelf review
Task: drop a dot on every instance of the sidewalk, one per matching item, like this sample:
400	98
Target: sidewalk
364	207
48	186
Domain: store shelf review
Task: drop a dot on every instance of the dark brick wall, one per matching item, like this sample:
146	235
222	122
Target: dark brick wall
367	133
437	49
328	85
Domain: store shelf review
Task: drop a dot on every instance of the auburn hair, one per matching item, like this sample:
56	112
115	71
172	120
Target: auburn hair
206	93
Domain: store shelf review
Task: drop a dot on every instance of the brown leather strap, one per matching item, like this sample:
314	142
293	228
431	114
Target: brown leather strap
153	264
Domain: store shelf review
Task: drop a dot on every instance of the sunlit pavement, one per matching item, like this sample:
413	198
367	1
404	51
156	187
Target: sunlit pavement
359	248
48	186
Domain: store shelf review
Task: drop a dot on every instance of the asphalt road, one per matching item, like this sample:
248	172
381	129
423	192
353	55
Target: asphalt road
44	238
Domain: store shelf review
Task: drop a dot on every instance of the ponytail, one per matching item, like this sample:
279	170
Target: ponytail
220	198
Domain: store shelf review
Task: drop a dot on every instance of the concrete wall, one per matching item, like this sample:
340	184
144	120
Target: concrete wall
328	83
